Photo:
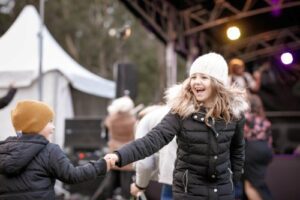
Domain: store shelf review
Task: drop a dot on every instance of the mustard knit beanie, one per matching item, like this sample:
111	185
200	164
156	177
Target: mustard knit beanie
31	116
211	64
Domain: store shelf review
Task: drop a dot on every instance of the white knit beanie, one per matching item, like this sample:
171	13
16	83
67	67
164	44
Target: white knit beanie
211	64
122	104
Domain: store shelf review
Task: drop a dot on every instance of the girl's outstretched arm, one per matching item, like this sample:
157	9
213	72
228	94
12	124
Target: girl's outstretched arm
158	137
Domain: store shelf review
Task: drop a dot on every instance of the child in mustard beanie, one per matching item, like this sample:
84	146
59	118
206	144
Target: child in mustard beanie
30	117
30	164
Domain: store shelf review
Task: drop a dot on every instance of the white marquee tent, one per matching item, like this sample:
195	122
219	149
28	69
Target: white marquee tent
19	64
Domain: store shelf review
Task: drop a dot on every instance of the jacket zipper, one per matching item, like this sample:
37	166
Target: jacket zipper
230	178
185	180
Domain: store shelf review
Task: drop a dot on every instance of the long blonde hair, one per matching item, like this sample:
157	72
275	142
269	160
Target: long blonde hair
223	105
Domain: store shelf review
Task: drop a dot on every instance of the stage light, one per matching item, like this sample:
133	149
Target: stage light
233	33
286	58
121	33
125	32
276	7
112	32
81	156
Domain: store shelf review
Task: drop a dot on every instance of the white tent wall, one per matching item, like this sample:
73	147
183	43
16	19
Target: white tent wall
19	64
95	108
19	51
56	92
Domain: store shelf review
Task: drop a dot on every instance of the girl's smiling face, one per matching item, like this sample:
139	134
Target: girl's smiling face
201	86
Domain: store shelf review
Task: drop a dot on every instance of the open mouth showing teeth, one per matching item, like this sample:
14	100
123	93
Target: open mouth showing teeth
199	90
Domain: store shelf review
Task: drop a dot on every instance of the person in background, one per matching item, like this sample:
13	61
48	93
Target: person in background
258	151
158	166
120	124
207	118
242	78
5	100
30	164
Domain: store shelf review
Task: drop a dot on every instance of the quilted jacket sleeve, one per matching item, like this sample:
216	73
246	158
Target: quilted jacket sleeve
61	168
158	137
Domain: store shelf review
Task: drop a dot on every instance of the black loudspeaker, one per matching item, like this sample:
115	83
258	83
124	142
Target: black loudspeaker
126	80
84	134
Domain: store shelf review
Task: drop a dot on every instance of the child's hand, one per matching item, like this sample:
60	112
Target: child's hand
108	164
111	158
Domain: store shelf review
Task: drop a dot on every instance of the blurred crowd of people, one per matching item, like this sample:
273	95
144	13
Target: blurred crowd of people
124	124
257	135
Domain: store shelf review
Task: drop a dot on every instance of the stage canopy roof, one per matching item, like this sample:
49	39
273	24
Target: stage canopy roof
268	26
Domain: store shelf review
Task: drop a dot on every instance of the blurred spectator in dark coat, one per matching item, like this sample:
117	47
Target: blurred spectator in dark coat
258	151
5	100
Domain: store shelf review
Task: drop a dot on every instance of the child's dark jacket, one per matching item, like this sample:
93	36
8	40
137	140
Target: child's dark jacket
29	166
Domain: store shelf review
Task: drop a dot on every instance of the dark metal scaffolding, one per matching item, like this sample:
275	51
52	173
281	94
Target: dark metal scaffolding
198	25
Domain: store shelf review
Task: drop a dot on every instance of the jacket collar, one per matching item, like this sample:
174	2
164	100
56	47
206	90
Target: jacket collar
238	105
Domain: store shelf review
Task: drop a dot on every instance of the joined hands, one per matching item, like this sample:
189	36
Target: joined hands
111	160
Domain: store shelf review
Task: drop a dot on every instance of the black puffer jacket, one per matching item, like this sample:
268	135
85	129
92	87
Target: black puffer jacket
207	157
29	166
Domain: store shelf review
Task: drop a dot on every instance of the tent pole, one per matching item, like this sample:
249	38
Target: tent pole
40	77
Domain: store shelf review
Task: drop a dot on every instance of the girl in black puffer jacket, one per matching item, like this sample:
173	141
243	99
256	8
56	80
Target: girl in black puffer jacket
207	118
29	164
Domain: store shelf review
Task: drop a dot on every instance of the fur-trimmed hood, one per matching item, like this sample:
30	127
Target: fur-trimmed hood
176	93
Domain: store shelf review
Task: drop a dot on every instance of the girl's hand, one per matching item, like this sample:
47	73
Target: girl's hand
111	158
